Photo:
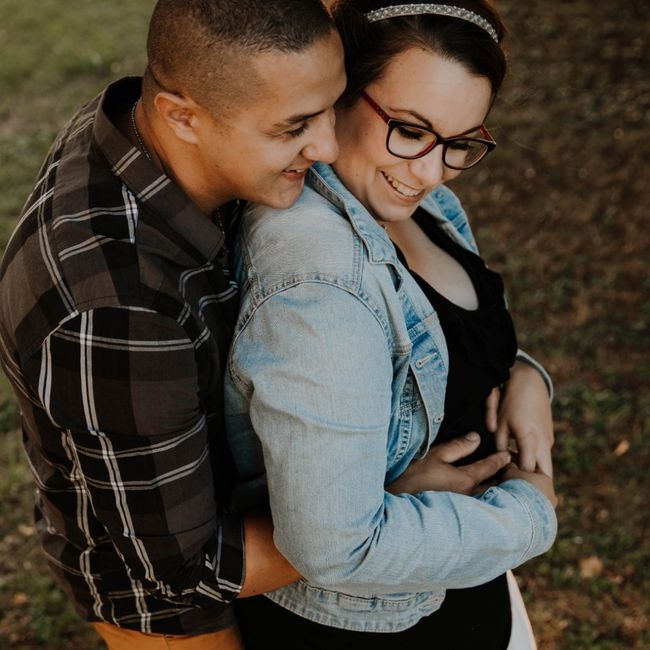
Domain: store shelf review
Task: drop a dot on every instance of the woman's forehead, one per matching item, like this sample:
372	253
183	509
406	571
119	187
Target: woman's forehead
438	88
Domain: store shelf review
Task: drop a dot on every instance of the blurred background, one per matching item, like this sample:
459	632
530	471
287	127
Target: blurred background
560	209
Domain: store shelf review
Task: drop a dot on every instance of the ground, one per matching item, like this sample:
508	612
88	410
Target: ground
560	209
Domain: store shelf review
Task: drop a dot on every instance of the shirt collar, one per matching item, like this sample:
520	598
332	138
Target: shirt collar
323	179
152	187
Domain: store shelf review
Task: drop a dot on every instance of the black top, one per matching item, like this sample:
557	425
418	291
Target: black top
482	343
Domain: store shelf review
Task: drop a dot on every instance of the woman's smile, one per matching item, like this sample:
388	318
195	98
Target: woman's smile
404	191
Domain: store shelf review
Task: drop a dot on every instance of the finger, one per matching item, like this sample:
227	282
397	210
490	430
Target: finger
483	469
545	461
491	410
502	436
527	452
453	450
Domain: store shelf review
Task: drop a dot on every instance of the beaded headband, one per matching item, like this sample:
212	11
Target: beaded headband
439	10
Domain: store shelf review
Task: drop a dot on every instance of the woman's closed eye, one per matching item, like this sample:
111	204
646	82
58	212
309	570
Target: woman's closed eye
410	133
459	145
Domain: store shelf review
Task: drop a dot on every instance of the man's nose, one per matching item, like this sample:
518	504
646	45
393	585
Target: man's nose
323	146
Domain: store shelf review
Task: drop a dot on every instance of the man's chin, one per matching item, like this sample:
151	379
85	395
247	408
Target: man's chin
284	200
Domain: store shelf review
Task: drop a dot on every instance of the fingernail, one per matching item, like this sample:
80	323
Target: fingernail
473	436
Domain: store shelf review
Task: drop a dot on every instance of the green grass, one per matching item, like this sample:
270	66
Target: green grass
560	210
56	56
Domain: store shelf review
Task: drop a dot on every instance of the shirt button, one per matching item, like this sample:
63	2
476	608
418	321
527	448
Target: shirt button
439	418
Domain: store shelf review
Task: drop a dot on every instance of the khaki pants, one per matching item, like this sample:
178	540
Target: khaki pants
118	638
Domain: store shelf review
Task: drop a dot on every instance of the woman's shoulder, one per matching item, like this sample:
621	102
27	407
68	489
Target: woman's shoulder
312	239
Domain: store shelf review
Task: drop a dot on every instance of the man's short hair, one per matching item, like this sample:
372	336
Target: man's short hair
204	49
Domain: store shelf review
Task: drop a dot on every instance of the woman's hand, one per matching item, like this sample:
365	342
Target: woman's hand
523	412
436	472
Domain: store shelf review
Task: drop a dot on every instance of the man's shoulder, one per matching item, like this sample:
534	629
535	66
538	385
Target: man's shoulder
74	249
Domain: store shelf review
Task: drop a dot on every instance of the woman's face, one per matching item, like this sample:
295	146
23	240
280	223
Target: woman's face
418	87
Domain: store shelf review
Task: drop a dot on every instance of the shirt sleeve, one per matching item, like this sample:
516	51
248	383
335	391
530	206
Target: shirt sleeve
314	367
123	386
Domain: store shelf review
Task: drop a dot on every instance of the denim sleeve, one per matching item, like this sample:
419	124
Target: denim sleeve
314	366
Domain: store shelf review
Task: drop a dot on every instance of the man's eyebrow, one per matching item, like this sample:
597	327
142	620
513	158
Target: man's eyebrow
294	119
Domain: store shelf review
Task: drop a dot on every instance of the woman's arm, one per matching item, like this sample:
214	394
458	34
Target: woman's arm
523	411
314	365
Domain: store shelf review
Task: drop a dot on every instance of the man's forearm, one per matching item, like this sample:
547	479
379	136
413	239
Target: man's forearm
265	568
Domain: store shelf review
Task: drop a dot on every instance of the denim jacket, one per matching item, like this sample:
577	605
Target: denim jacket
335	382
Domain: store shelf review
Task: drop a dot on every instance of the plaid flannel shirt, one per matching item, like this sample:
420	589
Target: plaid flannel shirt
116	313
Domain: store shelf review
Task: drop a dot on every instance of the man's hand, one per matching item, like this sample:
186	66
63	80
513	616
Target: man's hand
523	412
436	472
540	480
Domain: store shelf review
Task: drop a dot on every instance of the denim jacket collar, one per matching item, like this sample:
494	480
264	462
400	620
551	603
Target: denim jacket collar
323	179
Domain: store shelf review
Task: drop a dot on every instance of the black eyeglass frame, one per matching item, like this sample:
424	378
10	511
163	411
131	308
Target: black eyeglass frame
393	123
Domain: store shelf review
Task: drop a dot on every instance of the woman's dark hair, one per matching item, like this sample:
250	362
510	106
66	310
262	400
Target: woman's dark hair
370	47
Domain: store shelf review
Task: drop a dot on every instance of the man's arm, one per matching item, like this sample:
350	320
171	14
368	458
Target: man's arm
266	568
123	386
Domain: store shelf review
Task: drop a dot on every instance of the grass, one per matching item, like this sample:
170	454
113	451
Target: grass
560	210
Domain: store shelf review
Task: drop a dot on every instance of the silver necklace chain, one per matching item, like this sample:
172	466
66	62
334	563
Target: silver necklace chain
136	132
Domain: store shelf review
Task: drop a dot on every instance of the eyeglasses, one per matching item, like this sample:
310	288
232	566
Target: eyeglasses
410	141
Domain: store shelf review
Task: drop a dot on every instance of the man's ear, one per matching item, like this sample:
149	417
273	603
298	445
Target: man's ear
180	114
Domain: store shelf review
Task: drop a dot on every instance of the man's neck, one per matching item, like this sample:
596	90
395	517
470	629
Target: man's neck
175	161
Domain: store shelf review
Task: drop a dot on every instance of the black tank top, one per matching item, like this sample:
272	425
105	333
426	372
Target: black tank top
482	343
482	347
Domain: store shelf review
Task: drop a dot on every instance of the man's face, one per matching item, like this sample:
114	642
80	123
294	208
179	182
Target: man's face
262	150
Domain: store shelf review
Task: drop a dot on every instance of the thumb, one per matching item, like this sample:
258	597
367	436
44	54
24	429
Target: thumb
453	450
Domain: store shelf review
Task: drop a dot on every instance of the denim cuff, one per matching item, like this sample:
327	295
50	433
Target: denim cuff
541	512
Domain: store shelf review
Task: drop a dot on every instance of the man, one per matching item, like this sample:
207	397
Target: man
117	311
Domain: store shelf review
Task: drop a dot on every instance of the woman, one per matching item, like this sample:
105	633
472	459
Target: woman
369	329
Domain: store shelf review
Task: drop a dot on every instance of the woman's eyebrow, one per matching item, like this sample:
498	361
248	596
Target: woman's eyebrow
428	124
415	114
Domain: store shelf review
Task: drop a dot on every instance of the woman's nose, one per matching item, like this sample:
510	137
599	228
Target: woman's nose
430	170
